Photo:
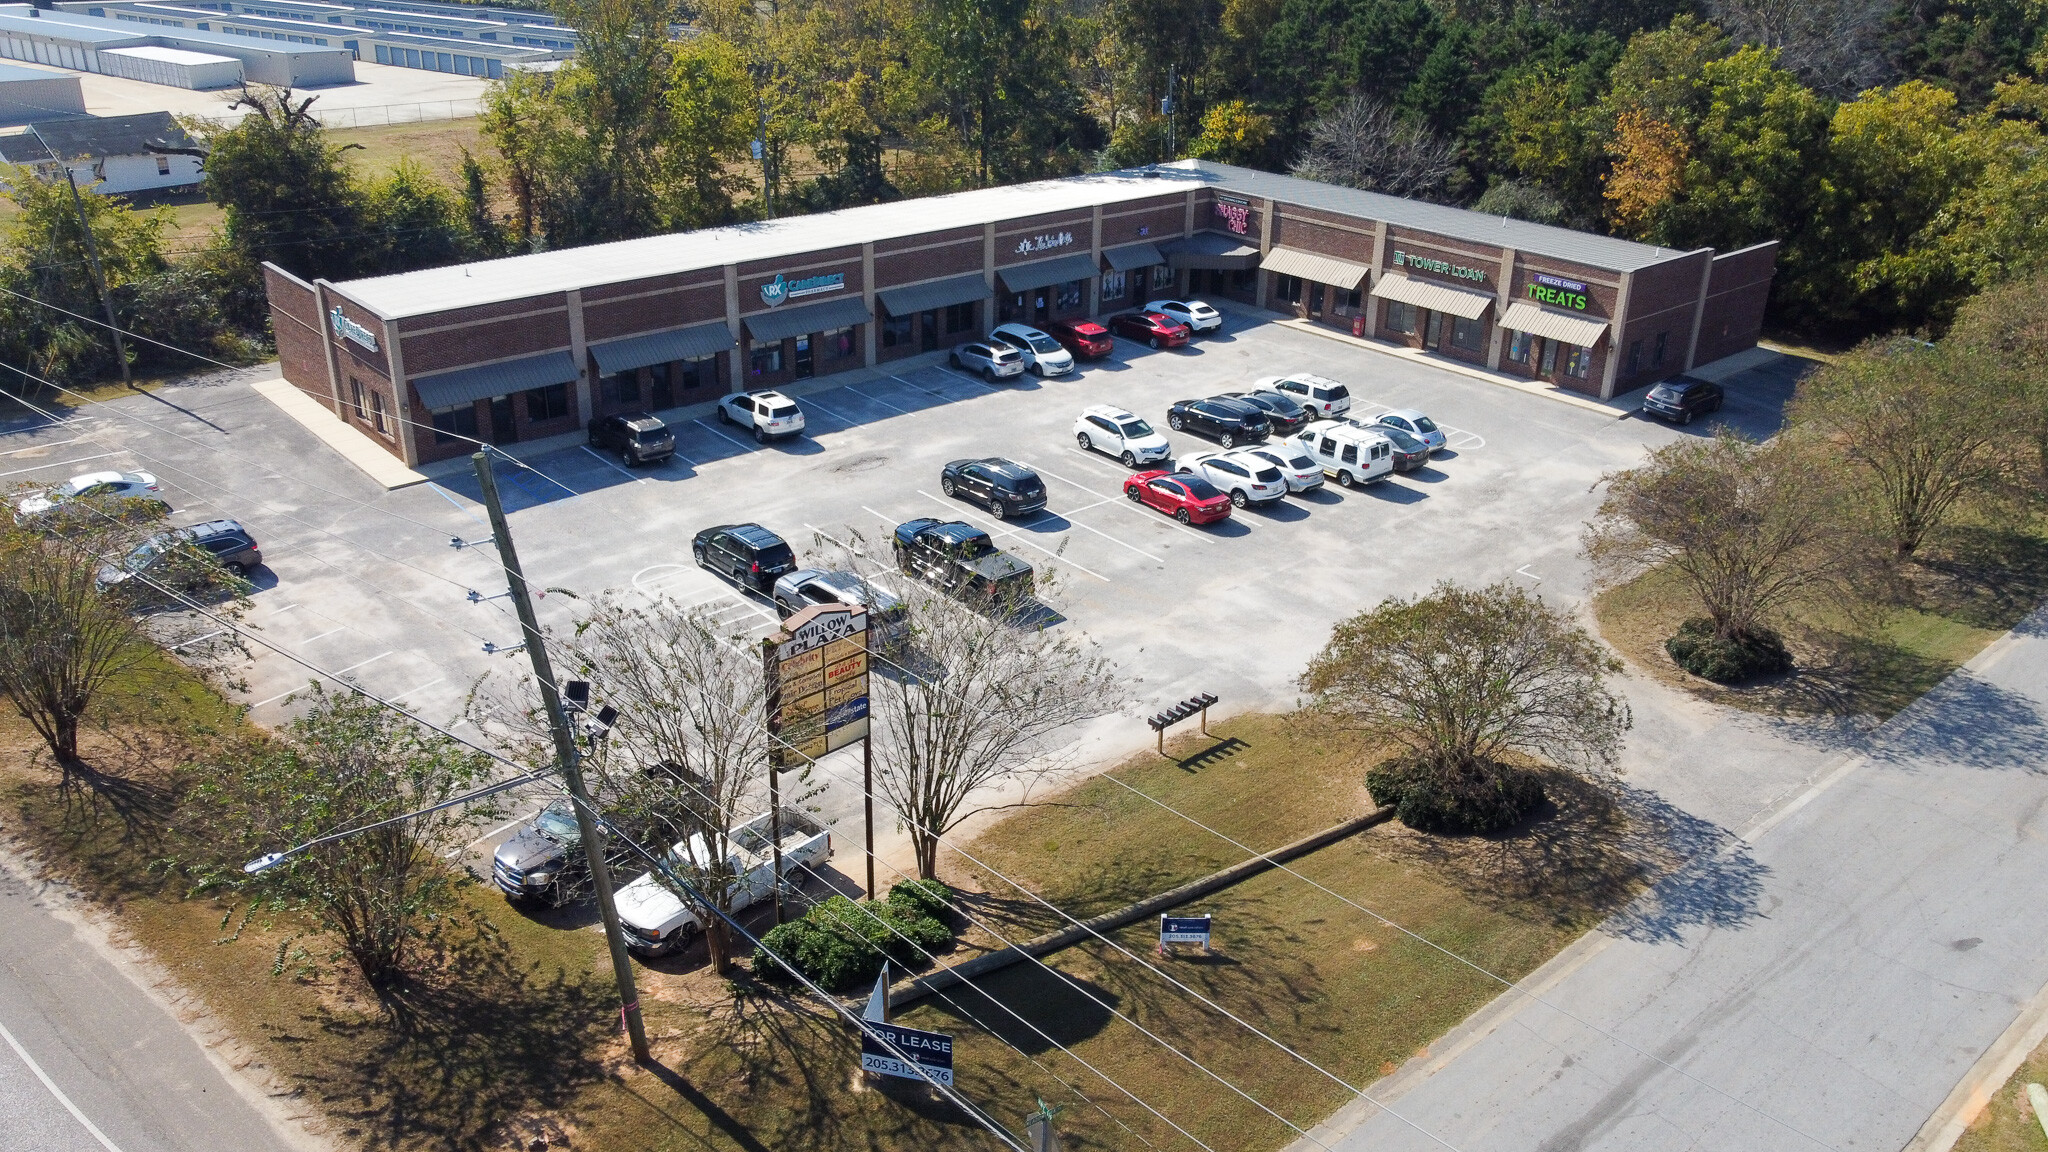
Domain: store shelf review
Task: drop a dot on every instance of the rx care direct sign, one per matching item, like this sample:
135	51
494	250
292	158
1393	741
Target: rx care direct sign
1184	930
778	290
348	329
817	671
930	1051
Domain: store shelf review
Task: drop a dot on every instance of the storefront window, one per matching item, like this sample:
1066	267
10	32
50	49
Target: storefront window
1635	357
620	387
1315	298
1467	335
549	403
1287	288
698	373
838	343
355	388
960	317
452	424
1400	318
764	356
1518	348
1579	362
1113	285
377	412
1657	356
662	385
1162	275
1244	280
896	332
1348	301
1070	294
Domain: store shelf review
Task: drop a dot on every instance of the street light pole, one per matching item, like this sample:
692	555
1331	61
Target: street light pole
567	754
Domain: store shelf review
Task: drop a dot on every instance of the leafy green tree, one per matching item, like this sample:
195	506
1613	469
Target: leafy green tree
1522	201
411	220
1232	134
711	119
1918	426
2003	334
1473	683
44	257
346	762
284	190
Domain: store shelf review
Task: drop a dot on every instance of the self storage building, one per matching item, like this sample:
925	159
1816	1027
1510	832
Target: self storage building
537	345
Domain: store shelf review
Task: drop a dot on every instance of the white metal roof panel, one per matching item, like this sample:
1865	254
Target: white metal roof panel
172	55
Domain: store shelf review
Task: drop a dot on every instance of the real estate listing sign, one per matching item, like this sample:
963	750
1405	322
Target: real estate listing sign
817	669
930	1051
1184	930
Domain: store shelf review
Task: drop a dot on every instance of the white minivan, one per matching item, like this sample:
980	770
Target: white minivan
1347	453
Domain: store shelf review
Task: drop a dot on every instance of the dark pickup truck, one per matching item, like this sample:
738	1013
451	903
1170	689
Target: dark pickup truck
961	558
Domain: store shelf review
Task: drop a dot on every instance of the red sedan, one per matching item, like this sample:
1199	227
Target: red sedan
1084	338
1154	328
1187	498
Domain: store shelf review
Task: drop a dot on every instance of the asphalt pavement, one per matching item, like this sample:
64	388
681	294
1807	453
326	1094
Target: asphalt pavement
92	1061
1821	981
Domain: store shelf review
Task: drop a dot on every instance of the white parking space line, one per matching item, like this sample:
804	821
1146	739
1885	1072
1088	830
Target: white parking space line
1000	528
613	465
83	1120
878	400
283	610
966	377
60	463
722	436
417	689
43	447
1068	516
920	388
276	698
841	417
197	639
322	636
372	660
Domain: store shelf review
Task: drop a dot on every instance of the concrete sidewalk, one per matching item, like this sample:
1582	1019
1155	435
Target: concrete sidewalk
1823	982
375	461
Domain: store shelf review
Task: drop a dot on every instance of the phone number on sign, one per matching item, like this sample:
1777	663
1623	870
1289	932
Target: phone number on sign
890	1066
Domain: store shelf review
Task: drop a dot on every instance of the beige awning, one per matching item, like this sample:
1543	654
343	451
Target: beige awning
1312	267
1433	296
1584	331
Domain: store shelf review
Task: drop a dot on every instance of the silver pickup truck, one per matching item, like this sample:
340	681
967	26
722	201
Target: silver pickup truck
659	922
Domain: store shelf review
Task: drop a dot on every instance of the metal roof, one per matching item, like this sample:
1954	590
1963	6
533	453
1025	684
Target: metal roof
65	26
1430	294
632	352
787	322
1143	254
916	298
448	389
9	73
1537	239
93	137
1316	267
1584	331
456	286
1045	273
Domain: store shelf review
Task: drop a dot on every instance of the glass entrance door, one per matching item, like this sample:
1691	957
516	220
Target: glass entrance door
504	430
928	338
803	357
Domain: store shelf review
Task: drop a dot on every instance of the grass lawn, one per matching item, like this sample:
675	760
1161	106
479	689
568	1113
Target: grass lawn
2008	1123
1973	581
516	1038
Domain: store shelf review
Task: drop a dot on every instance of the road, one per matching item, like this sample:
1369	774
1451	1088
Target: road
137	1078
1822	982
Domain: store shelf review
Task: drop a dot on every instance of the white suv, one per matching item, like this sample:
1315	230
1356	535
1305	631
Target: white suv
1198	315
1245	478
1042	353
770	414
1319	394
1115	432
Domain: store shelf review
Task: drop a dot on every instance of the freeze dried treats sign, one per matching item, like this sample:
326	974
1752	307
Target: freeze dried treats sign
817	669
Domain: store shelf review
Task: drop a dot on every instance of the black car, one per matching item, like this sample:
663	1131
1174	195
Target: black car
1282	413
752	555
1681	398
1230	422
1005	487
638	437
960	558
1409	452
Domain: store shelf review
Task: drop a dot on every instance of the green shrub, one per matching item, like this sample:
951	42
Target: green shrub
1727	660
1482	797
840	944
926	897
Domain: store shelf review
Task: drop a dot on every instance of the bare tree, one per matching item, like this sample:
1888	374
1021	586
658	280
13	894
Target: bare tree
1749	526
66	637
690	748
1920	430
1834	46
1361	143
1469	682
973	699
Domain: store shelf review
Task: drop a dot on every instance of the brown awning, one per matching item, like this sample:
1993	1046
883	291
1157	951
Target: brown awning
1571	328
1434	296
1314	267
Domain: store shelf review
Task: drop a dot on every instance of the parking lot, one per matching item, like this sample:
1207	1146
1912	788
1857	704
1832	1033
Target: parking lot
364	583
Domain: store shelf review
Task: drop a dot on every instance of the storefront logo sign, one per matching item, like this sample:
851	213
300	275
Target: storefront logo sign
1237	214
774	292
348	329
1440	267
1045	242
1557	290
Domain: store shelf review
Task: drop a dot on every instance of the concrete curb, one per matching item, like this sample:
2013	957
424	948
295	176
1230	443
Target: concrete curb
1610	410
915	989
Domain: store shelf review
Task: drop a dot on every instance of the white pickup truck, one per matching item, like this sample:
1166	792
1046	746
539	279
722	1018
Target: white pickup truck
659	922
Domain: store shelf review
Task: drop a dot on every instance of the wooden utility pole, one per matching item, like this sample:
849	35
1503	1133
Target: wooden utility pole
567	755
92	255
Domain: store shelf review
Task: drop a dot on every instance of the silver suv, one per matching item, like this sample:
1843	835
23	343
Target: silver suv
994	360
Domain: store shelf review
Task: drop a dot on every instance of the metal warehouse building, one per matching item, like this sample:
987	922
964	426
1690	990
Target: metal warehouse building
28	94
538	345
86	44
476	44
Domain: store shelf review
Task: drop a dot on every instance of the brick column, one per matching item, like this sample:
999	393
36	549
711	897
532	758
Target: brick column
1699	310
867	295
1265	246
401	396
584	386
988	274
1500	306
1095	254
1617	333
1370	304
737	377
329	351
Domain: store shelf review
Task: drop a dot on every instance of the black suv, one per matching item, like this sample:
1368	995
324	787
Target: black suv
1283	415
638	437
1005	486
961	558
225	541
1231	422
1681	398
750	554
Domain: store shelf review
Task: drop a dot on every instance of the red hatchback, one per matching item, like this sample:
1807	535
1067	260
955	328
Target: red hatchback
1152	327
1187	498
1084	338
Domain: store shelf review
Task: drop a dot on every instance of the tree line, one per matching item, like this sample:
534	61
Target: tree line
1895	147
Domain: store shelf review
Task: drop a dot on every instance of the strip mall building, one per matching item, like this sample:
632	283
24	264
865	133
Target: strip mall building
534	346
